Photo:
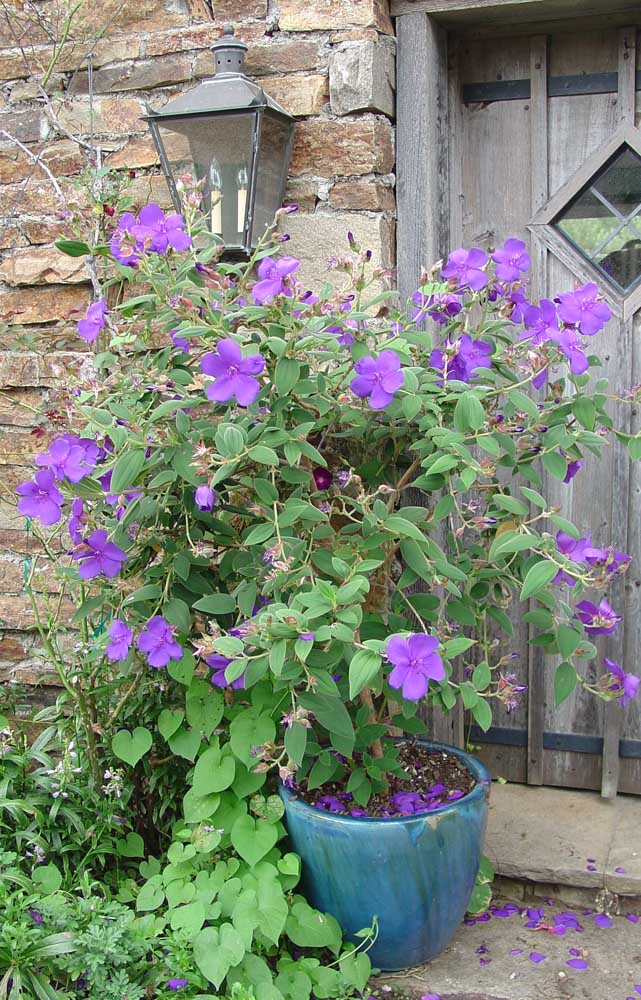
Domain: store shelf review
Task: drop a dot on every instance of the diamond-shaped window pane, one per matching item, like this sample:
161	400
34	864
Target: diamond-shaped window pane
603	220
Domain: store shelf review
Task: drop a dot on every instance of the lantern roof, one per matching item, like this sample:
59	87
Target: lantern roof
229	90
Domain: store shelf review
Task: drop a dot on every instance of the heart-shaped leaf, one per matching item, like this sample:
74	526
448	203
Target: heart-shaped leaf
213	772
131	747
185	743
169	721
216	951
253	839
132	846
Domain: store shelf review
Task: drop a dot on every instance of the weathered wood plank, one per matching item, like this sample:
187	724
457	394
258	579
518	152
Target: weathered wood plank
620	487
455	13
539	196
422	188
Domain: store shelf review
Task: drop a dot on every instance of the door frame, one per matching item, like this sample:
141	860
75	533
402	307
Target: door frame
430	219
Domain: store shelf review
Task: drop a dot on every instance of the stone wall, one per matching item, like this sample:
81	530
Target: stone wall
328	62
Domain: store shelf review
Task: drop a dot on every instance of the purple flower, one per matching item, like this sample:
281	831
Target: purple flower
579	550
204	497
626	684
157	232
179	341
584	309
464	364
322	478
219	665
233	374
378	378
601	620
330	803
307	636
123	245
98	555
466	267
416	663
511	259
272	274
177	984
518	303
440	306
36	916
569	344
76	521
94	321
69	457
121	638
541	323
573	468
158	643
41	498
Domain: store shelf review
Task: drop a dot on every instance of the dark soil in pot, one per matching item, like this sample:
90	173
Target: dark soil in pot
429	780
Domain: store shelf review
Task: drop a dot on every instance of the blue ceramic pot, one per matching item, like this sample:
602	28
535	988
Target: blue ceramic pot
415	873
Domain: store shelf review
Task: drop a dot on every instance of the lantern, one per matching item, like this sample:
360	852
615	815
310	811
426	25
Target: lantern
229	134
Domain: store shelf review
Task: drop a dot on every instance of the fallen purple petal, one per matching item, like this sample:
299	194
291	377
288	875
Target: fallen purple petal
602	920
536	957
484	961
430	996
633	918
637	989
516	951
619	870
591	868
575	951
577	963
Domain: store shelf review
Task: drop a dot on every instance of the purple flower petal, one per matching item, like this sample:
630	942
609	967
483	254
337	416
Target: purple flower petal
602	920
516	951
537	957
577	963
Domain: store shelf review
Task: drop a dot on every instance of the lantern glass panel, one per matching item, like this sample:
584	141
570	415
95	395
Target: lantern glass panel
273	160
219	149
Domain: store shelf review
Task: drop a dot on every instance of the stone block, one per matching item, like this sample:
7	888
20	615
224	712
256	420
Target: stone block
11	237
343	148
316	238
14	67
273	58
362	196
329	15
231	10
18	369
21	407
111	116
35	197
38	231
41	266
60	157
299	95
362	78
135	154
129	18
151	188
191	37
302	191
25	126
42	304
158	72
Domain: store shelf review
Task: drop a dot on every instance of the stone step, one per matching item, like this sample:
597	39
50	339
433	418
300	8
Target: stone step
559	837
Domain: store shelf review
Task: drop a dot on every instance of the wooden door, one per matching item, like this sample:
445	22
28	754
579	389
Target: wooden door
512	147
523	118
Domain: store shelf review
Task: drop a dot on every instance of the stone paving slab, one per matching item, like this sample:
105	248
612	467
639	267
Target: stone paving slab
558	836
613	955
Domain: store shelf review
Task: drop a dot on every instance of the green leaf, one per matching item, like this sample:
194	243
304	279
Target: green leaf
469	695
248	730
509	542
567	640
47	878
185	743
482	714
584	410
131	747
151	896
253	839
555	464
277	656
261	533
482	676
127	469
286	375
443	464
307	928
363	669
468	414
404	528
417	561
565	681
213	772
454	647
296	742
538	578
176	612
217	950
263	455
511	504
216	604
72	248
205	705
131	846
534	497
150	592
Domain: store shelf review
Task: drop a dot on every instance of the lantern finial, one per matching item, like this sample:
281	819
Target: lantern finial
229	52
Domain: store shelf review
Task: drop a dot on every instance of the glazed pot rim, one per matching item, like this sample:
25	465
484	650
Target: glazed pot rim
480	791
